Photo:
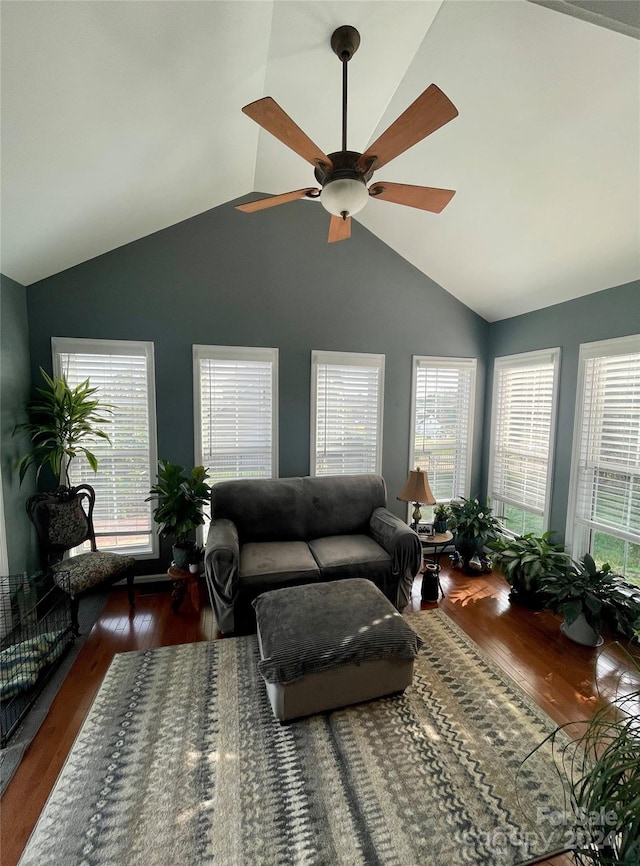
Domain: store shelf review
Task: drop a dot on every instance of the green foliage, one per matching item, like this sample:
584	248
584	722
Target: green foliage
598	593
441	512
471	519
601	772
62	422
181	499
527	559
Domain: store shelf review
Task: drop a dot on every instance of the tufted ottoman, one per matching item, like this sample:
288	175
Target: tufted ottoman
326	645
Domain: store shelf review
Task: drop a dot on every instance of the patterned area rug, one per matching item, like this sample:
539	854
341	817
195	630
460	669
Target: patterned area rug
180	761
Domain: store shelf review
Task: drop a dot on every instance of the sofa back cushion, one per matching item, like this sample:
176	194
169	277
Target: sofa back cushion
298	509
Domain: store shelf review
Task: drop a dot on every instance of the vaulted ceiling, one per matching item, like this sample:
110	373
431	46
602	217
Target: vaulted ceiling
120	119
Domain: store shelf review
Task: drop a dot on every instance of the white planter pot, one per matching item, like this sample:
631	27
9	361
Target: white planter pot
581	632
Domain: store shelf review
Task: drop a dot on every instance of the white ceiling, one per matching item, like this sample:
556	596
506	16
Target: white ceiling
120	119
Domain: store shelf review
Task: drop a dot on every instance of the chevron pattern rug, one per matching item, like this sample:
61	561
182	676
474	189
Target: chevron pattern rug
180	761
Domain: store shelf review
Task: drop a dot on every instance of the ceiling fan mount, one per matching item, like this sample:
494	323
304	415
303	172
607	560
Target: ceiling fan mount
345	41
344	174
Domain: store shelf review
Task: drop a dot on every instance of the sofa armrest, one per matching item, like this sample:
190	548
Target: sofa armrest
221	567
403	546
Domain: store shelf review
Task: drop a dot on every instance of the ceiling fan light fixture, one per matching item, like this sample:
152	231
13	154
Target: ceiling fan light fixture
344	196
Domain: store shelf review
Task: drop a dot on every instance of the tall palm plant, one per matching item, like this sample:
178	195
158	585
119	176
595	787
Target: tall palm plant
62	424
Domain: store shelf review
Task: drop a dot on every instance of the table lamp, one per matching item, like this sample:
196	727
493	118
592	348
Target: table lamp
417	490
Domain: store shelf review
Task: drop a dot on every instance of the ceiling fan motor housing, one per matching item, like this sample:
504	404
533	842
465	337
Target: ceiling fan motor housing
344	185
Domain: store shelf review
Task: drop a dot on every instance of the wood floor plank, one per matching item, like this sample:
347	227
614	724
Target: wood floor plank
558	675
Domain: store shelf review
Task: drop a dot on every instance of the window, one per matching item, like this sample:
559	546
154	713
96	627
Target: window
443	394
346	413
123	372
522	439
604	507
236	404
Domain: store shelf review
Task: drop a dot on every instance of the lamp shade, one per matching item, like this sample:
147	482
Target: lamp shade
344	196
416	488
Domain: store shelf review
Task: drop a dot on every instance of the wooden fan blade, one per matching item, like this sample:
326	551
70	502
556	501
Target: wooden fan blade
423	197
267	113
273	200
339	229
429	112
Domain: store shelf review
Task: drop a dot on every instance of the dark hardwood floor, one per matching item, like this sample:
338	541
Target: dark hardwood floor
568	681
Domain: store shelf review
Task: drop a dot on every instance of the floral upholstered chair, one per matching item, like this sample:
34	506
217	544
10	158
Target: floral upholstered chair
64	520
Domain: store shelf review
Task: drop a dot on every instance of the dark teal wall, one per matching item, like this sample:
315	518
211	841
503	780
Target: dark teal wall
15	390
601	316
266	279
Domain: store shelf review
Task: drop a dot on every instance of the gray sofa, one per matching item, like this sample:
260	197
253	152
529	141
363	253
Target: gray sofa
271	533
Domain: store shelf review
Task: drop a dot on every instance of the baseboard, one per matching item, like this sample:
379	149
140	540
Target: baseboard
146	578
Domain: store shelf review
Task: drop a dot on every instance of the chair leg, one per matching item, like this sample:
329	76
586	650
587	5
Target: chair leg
132	599
75	604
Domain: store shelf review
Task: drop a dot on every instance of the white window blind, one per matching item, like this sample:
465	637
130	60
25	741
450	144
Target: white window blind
123	373
605	484
442	425
523	433
235	397
346	413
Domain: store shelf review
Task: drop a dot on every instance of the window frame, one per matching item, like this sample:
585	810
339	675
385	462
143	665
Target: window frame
235	353
578	535
81	345
345	359
443	362
521	360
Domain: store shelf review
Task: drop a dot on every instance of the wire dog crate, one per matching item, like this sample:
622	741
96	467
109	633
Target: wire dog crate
35	621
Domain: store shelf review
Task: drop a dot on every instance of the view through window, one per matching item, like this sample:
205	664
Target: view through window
123	373
346	413
522	439
442	424
604	514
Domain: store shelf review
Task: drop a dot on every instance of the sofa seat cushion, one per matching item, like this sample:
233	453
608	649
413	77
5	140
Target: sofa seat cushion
357	556
277	563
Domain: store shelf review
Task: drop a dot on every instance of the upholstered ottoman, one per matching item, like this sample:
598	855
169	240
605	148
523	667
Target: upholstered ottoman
326	645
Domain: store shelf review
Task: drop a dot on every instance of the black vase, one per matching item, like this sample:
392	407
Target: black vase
430	586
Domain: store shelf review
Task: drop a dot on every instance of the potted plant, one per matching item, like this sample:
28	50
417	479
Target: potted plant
441	516
589	596
600	770
474	525
525	560
181	498
62	424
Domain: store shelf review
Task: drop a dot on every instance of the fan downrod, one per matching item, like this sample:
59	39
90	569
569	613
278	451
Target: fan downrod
345	41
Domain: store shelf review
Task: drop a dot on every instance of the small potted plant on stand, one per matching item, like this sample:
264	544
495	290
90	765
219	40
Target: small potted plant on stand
474	525
441	516
525	561
181	499
589	596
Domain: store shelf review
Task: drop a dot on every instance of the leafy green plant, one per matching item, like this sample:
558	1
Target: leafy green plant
441	512
62	423
472	520
526	560
598	593
181	498
600	770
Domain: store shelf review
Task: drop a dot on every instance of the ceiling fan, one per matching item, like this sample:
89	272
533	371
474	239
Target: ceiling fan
344	175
